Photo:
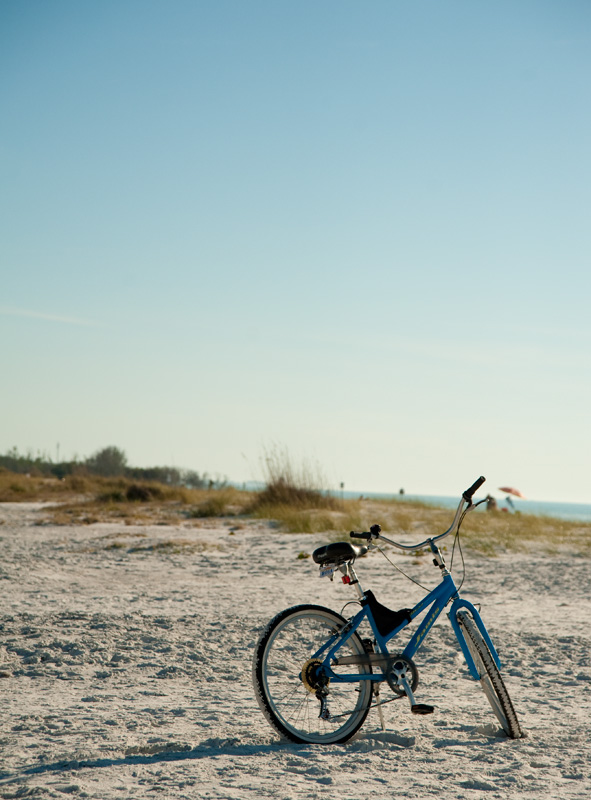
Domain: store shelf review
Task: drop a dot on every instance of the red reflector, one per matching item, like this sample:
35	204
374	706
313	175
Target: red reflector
346	579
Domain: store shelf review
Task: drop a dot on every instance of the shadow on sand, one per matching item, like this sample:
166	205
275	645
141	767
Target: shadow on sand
210	748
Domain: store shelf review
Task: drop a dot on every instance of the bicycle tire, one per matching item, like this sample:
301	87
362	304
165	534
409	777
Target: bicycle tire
292	708
491	681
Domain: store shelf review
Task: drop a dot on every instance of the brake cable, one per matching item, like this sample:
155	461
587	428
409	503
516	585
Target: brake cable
401	571
459	543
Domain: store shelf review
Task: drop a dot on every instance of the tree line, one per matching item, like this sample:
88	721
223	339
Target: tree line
109	462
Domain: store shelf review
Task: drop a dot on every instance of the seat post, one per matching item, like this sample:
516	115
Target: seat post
349	571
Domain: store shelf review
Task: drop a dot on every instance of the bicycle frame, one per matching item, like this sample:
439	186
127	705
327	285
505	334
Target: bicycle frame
435	602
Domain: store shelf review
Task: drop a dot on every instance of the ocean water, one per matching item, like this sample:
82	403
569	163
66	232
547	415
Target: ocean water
575	512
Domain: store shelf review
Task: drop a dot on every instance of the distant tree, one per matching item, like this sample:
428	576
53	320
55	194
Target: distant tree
24	463
108	462
193	480
167	475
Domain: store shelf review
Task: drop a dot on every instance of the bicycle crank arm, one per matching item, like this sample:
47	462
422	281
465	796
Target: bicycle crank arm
416	708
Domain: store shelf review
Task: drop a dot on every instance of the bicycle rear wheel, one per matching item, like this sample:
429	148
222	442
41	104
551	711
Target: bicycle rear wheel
285	678
490	678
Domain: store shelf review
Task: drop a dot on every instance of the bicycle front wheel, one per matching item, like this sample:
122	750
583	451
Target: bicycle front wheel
286	678
490	678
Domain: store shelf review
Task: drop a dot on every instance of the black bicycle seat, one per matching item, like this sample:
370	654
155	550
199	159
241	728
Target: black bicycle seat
338	553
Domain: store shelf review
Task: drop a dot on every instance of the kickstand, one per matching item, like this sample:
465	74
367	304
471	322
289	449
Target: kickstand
376	692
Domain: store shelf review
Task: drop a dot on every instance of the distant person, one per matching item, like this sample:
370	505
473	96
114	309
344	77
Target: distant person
510	503
401	491
491	503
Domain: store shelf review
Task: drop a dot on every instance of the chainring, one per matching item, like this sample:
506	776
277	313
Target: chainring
402	667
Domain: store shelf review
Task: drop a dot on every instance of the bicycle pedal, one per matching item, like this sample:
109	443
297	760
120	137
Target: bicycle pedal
422	708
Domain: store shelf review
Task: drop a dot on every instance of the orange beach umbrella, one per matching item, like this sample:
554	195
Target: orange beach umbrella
511	490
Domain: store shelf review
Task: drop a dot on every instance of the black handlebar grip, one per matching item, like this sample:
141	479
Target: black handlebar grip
467	495
373	533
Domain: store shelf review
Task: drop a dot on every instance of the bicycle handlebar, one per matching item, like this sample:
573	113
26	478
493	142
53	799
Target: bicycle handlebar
375	530
372	533
467	495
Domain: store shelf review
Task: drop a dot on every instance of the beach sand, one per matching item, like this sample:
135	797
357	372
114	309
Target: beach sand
126	653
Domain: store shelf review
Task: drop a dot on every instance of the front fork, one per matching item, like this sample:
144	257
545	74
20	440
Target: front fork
452	614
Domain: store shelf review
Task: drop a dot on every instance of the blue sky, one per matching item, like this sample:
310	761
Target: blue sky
359	230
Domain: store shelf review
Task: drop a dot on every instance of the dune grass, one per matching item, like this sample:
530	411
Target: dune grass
493	532
139	504
482	532
295	496
295	485
17	488
292	501
488	533
84	499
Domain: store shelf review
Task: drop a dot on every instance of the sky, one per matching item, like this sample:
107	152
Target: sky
356	231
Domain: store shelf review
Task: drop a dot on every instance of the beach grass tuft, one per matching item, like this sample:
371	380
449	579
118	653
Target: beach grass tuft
292	489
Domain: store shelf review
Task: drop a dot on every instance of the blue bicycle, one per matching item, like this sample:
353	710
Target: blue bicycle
316	678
